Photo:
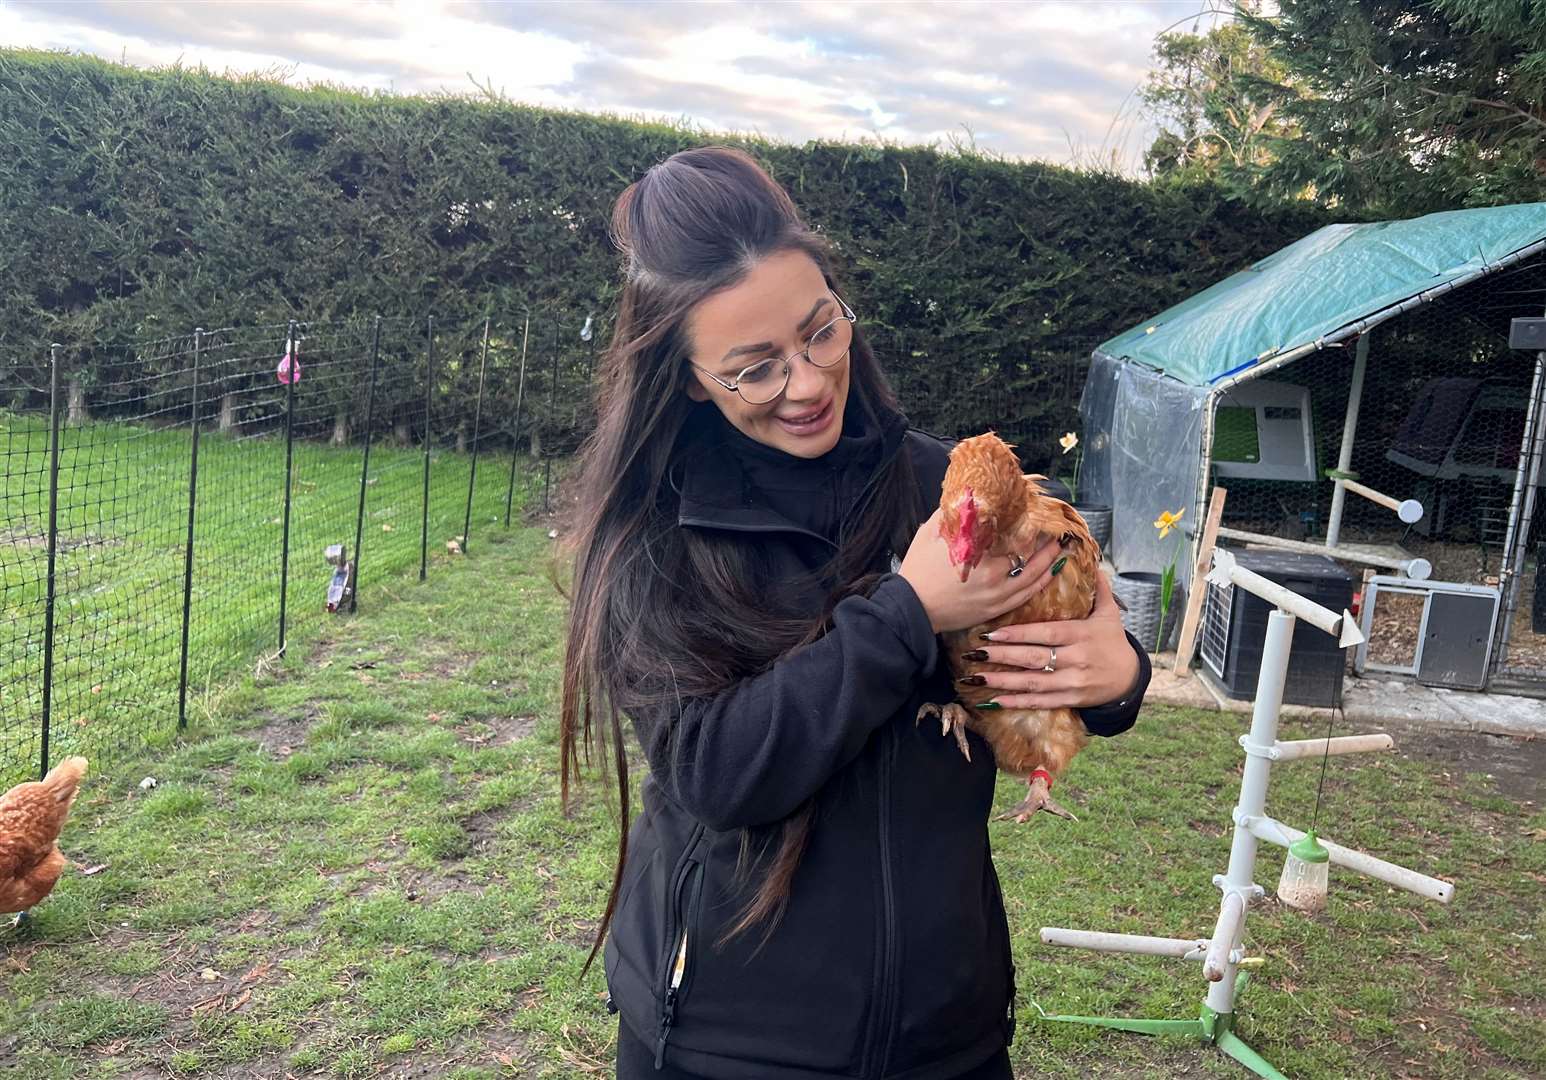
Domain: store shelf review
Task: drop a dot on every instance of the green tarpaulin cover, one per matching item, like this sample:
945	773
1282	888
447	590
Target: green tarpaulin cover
1330	279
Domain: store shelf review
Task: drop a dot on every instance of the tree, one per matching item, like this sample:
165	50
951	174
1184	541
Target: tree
1397	109
1212	95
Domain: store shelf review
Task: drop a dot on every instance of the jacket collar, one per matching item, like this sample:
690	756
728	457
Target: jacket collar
715	491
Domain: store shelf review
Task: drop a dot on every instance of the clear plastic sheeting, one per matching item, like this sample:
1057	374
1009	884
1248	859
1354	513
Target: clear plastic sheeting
1153	457
1097	406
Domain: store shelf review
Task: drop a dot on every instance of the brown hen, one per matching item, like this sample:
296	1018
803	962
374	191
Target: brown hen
991	511
31	817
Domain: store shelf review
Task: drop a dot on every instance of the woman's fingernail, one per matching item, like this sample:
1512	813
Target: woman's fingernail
991	635
989	706
972	680
1058	566
975	654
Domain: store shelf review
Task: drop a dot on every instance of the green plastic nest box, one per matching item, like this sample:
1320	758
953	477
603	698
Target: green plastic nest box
1265	430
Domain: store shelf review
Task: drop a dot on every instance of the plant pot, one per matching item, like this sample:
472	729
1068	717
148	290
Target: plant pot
1098	517
1139	593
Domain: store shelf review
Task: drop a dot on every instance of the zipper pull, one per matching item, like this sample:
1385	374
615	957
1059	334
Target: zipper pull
667	1016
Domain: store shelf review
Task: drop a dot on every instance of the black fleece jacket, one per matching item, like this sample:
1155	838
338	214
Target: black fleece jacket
892	957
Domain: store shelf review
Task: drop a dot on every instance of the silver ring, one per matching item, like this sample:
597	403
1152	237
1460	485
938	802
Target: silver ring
1052	658
1019	565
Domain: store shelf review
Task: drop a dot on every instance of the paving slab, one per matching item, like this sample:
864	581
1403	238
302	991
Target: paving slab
1372	700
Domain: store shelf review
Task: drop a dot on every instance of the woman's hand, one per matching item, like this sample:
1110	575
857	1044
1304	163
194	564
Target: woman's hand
955	605
1095	662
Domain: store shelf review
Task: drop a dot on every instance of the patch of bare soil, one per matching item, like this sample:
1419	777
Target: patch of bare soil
1517	766
36	537
496	731
453	665
283	735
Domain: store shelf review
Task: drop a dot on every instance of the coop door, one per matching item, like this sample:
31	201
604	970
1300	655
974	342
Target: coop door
1393	619
1439	631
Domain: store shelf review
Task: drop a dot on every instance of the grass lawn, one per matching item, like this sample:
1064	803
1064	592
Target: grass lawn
357	867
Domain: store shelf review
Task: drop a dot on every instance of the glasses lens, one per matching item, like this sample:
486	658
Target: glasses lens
761	383
830	343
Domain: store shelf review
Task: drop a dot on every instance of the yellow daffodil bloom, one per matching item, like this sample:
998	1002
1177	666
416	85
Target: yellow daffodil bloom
1068	441
1168	521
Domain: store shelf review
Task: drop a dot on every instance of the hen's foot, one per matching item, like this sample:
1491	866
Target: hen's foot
952	720
1038	798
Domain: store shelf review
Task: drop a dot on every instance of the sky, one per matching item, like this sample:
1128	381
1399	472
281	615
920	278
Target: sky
1055	81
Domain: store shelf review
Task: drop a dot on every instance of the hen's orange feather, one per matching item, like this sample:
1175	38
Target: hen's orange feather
1022	739
31	818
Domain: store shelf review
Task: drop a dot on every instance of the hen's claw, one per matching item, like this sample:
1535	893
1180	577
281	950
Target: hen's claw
952	720
1038	798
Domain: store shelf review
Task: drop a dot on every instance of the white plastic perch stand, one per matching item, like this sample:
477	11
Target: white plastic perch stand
1223	954
1418	569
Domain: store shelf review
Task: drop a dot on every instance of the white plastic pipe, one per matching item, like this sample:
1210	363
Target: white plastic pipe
1225	933
1141	944
1237	880
1227	571
1342	744
1410	511
1417	569
1349	430
1275	832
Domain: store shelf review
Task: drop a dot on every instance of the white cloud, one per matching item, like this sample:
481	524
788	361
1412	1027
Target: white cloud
1030	79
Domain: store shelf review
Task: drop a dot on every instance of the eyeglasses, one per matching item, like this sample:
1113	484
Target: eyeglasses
765	380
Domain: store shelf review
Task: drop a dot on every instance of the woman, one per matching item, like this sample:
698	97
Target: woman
809	891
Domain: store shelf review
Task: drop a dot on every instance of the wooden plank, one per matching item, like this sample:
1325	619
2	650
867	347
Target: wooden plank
1194	596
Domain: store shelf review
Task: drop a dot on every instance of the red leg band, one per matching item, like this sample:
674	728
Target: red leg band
1043	773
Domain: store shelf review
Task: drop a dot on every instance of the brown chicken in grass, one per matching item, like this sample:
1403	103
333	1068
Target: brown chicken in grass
992	511
31	817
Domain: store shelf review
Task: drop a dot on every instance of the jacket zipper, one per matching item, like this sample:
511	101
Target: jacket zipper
686	903
887	1012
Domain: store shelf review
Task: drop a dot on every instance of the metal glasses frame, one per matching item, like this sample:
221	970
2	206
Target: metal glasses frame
847	316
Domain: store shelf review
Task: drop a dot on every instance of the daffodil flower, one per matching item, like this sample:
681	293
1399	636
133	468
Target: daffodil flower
1168	521
1068	441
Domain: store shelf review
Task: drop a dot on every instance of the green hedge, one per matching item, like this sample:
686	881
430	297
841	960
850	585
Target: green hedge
138	204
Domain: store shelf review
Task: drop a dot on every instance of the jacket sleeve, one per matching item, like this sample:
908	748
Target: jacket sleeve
1115	717
753	753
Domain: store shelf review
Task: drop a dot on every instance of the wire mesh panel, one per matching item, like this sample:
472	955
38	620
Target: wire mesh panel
199	481
24	464
1440	422
122	478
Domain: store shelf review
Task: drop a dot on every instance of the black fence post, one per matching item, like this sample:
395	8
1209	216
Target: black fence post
292	348
515	433
547	458
193	494
477	420
429	394
53	550
370	417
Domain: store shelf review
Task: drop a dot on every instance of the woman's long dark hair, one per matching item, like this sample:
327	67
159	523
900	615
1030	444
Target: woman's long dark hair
648	596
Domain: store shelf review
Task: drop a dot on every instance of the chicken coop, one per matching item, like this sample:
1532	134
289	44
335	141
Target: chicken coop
1358	395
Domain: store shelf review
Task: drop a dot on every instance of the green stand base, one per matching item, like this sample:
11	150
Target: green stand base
1216	1028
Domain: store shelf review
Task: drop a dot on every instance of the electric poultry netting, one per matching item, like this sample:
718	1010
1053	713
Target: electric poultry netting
450	428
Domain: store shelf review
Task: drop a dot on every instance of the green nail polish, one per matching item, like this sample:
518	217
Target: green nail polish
989	705
1058	566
